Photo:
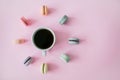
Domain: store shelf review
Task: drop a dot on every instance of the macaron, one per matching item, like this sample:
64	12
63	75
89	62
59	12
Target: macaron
44	10
73	41
44	68
21	41
28	61
63	20
26	21
65	58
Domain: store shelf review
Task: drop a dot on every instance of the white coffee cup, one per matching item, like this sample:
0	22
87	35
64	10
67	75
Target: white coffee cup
44	39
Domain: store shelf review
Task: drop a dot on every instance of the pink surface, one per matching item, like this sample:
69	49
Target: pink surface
95	22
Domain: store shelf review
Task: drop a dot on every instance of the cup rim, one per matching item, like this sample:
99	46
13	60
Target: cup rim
49	29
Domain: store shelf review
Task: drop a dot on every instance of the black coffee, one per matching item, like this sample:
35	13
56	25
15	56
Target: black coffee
43	38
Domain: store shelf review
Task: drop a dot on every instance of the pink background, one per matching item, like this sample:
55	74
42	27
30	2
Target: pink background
95	22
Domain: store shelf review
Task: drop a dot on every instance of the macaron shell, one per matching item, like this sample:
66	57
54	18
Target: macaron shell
73	42
42	68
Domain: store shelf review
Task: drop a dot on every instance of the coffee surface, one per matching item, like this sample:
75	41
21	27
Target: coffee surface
43	39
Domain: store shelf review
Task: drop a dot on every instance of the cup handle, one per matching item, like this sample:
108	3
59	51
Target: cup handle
44	53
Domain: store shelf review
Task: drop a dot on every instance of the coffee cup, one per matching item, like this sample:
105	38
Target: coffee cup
44	39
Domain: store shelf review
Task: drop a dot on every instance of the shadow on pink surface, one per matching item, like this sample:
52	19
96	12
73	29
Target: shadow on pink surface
52	67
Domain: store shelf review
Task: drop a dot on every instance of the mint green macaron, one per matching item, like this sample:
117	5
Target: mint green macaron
63	20
65	58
